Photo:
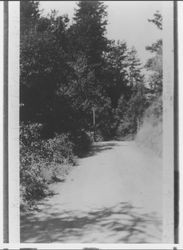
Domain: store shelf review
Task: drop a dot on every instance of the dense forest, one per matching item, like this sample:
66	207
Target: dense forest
69	73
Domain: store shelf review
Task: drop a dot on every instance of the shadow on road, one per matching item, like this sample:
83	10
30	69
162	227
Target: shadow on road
118	224
99	147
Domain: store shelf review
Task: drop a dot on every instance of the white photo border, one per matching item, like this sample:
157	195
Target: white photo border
14	216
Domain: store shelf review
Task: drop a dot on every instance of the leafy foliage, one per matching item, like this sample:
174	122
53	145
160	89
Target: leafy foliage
89	30
37	157
157	20
155	64
29	15
150	133
66	71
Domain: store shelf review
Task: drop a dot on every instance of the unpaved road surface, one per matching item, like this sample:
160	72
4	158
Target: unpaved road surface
114	195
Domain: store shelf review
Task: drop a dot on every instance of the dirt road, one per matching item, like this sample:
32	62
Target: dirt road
114	195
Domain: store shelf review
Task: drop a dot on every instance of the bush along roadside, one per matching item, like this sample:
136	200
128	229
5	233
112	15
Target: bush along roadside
44	161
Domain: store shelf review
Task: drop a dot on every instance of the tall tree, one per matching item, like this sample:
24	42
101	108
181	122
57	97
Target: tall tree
44	72
115	71
29	14
87	44
89	30
134	67
131	105
155	64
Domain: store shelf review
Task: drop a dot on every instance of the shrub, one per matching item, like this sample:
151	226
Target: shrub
41	161
33	185
30	133
126	128
82	142
98	136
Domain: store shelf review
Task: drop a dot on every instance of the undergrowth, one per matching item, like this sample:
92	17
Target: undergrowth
44	161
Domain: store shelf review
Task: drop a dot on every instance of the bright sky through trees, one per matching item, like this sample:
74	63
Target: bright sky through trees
127	20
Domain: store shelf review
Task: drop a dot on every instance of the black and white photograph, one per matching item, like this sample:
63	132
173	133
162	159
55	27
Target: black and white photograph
91	114
92	147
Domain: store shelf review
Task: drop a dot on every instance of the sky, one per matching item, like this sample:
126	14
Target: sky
127	21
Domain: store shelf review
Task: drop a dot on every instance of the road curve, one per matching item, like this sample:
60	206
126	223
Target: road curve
114	195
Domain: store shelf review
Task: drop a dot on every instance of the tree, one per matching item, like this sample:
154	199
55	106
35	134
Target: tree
29	14
87	44
131	107
44	71
134	68
115	72
124	84
155	64
89	30
157	20
67	71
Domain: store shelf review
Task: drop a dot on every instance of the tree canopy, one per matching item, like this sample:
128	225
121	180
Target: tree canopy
69	68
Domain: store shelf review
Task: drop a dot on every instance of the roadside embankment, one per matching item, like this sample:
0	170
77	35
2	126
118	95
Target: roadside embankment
150	133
